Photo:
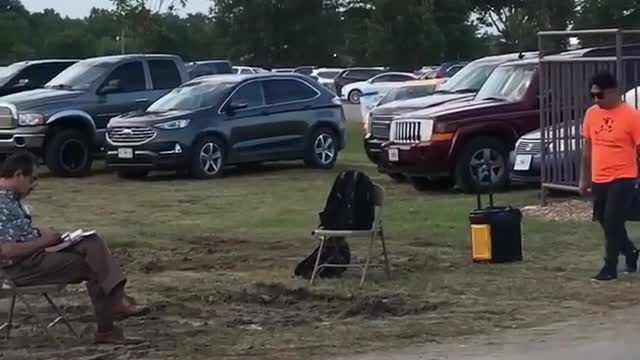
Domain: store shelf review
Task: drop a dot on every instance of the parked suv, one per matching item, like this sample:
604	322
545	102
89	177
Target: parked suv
462	87
453	139
209	67
352	75
64	122
212	122
29	75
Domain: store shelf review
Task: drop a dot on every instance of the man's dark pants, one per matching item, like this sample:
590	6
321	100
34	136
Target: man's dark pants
611	206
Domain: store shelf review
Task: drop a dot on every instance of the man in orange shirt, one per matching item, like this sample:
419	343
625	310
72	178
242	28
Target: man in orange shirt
611	133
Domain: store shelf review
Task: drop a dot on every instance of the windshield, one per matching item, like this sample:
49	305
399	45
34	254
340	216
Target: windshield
9	72
191	96
508	83
406	93
469	79
79	76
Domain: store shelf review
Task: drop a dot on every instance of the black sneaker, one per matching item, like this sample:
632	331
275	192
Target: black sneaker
606	274
632	262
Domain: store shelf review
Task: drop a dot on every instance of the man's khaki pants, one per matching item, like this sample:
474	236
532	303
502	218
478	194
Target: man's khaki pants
89	260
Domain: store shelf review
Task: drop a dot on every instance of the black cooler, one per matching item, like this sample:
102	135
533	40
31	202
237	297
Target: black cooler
496	234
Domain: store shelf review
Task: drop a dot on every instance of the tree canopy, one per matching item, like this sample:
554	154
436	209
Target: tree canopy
401	34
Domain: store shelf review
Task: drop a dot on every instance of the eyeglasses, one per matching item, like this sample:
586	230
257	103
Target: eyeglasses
597	95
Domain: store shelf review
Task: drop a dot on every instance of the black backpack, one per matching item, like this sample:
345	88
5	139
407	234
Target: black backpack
350	206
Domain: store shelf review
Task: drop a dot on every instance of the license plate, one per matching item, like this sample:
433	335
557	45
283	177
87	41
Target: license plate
394	155
125	153
522	163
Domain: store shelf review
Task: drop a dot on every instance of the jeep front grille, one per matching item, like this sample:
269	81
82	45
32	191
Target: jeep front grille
130	135
411	131
6	118
380	126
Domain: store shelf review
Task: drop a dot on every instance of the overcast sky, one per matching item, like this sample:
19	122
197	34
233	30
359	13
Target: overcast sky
81	8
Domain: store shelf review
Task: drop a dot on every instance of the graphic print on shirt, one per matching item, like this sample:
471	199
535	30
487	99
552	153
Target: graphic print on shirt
606	126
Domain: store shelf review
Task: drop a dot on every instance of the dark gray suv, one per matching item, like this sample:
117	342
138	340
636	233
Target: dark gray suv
215	121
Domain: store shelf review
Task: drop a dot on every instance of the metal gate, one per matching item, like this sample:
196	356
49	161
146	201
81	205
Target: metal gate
565	96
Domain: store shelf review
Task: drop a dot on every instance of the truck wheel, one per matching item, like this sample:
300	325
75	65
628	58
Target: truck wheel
208	159
68	153
133	173
354	96
479	150
321	150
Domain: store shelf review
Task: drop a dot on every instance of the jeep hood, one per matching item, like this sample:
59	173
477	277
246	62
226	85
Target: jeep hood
39	99
463	110
405	106
142	118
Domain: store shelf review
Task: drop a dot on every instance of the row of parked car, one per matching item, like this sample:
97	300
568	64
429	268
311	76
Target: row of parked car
147	112
481	126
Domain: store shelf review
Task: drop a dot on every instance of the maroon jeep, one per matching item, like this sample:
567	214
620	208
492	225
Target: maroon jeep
451	140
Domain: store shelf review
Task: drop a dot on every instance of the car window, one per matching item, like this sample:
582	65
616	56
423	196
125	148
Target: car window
454	69
328	74
508	83
280	91
164	74
361	74
392	78
251	93
221	68
39	74
245	71
131	77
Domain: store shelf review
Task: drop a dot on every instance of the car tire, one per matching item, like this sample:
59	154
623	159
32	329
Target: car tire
321	151
208	159
68	153
133	173
480	149
354	96
399	178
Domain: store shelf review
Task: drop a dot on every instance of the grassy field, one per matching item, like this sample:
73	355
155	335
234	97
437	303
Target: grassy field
216	259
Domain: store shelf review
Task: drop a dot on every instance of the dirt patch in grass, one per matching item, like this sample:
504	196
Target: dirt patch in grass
562	211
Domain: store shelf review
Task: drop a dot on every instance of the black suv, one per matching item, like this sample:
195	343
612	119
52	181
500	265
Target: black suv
29	75
215	121
64	123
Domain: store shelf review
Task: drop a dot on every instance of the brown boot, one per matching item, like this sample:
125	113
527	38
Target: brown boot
128	308
115	337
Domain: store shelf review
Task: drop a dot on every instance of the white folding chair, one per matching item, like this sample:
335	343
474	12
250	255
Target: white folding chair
375	231
9	289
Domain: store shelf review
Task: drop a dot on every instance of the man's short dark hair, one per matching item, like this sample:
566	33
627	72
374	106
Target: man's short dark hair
605	80
24	162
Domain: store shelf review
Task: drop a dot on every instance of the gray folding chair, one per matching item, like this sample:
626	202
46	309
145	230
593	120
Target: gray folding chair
375	231
9	289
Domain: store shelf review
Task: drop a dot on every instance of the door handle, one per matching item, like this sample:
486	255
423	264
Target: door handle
142	100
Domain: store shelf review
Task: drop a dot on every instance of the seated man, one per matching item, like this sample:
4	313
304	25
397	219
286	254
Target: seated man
22	247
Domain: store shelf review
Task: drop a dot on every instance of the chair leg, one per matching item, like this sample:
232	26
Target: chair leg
35	316
315	267
61	316
10	317
368	261
387	266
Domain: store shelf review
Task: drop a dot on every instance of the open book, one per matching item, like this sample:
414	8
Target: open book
70	238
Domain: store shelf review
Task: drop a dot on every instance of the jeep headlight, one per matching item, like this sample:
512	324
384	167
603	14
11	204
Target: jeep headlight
174	124
30	119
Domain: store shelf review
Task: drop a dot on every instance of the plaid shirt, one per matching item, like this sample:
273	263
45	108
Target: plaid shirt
15	221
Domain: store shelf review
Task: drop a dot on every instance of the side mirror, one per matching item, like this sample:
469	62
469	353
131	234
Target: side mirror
21	83
234	106
111	87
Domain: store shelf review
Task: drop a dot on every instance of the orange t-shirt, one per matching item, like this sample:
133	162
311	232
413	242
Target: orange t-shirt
614	135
